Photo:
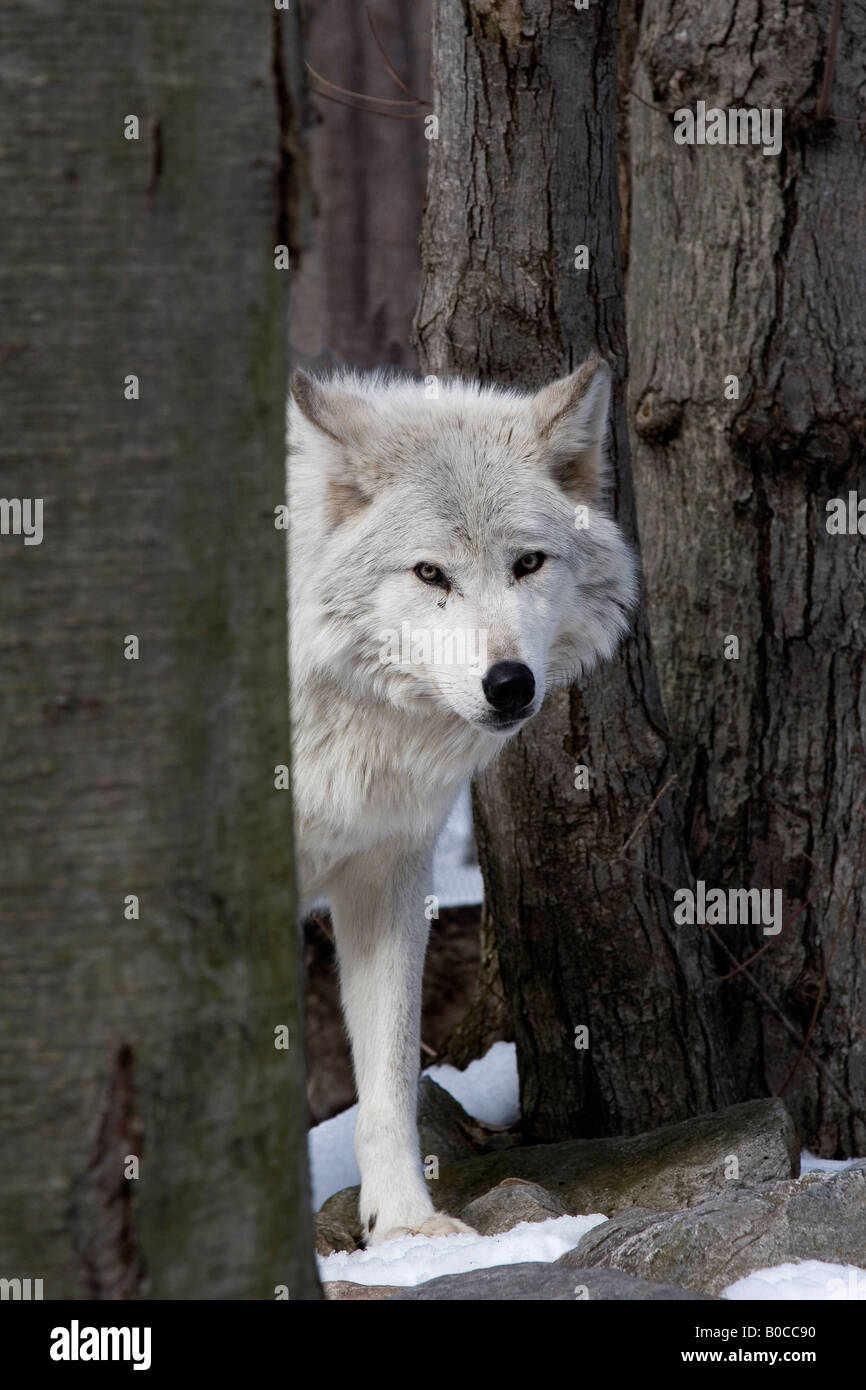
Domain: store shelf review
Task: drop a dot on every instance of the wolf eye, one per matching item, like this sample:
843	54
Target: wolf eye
529	563
431	574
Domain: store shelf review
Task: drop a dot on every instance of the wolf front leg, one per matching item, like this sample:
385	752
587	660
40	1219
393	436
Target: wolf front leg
381	931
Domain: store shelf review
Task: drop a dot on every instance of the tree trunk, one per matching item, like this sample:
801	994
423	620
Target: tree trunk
751	265
524	170
143	1037
356	291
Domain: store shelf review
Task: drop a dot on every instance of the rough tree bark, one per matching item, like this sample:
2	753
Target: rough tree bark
754	265
524	171
148	1036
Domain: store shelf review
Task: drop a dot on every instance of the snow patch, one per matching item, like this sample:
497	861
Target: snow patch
457	878
414	1259
488	1089
803	1279
331	1148
810	1163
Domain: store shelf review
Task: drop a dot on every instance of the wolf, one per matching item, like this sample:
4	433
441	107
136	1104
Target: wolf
470	509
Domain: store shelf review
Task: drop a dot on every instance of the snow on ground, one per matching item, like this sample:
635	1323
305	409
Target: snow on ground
456	875
488	1089
414	1259
805	1279
333	1165
809	1163
812	1279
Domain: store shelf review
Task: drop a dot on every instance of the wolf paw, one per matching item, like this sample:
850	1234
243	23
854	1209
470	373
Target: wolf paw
441	1225
437	1224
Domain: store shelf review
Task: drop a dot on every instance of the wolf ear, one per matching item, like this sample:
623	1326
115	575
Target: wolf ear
346	419
571	418
340	415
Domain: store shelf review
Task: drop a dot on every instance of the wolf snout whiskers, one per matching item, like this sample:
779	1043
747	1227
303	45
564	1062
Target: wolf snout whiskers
497	725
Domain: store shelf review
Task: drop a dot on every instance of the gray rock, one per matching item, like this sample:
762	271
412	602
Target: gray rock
676	1166
446	1131
505	1206
332	1235
707	1247
827	1213
540	1282
343	1291
340	1212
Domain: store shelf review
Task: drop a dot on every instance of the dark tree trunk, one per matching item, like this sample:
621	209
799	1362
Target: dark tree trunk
754	265
357	286
524	171
149	1036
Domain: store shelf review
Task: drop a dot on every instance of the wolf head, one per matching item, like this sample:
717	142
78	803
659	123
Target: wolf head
453	552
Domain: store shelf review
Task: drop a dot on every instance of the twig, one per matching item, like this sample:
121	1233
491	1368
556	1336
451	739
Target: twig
371	111
386	60
771	1004
378	102
790	1029
821	109
362	96
768	1000
767	944
645	817
643	101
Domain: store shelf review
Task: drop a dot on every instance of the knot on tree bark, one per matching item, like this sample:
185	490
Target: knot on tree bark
499	20
766	433
657	418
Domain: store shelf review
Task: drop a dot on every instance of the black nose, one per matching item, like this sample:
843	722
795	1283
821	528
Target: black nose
509	686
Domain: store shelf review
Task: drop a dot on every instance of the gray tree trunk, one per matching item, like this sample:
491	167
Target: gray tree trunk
153	1037
524	171
754	266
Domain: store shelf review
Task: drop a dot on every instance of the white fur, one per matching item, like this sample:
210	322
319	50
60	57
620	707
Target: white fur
382	479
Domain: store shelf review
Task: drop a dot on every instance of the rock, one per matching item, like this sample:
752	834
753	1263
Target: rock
739	1230
331	1235
676	1166
540	1282
827	1213
446	1131
505	1206
341	1290
340	1212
